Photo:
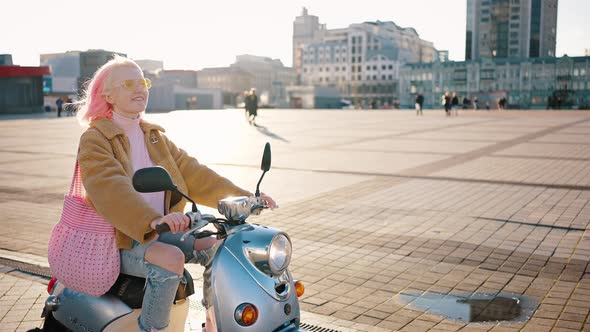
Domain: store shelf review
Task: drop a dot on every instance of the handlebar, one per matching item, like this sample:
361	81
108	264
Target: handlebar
193	216
162	228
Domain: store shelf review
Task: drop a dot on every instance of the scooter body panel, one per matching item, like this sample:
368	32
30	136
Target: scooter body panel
276	310
74	308
109	313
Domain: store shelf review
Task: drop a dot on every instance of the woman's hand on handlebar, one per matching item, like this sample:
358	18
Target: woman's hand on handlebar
177	222
269	201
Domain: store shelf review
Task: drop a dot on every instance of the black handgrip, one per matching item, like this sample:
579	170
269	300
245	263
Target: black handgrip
162	228
204	234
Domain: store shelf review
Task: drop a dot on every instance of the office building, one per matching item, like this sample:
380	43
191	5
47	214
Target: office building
362	61
511	28
533	83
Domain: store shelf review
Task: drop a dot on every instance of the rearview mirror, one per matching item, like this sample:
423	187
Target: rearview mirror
265	166
152	179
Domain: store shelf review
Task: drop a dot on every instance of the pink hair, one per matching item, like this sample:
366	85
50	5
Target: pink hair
93	105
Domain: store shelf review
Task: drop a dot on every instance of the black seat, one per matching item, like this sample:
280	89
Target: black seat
130	289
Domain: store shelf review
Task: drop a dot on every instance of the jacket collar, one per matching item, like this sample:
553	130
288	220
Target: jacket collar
110	130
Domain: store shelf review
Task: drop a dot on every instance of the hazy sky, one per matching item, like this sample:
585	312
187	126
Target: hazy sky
193	34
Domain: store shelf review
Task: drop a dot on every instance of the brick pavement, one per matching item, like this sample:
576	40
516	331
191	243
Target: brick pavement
489	202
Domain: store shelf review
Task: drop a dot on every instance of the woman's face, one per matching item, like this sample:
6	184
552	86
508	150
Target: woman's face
128	91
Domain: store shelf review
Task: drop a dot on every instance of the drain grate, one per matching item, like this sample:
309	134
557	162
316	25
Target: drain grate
27	268
315	328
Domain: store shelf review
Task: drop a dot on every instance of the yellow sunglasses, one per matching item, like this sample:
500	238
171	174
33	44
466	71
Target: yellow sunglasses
133	84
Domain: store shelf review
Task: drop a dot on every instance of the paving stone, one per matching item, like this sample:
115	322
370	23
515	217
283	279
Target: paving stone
486	202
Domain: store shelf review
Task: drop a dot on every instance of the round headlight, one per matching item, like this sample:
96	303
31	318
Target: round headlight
280	253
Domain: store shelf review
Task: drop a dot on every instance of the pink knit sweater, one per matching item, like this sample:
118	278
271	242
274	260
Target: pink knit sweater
140	157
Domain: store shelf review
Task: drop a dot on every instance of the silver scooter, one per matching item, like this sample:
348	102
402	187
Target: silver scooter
251	288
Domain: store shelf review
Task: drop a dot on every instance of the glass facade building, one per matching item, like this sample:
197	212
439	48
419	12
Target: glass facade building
529	83
510	28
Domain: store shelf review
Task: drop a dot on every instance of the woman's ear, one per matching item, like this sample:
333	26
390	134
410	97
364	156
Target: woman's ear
108	98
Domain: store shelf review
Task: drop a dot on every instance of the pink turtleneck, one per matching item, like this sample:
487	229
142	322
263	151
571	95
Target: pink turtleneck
140	157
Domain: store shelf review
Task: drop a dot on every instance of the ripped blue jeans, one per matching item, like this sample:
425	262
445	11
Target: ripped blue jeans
161	284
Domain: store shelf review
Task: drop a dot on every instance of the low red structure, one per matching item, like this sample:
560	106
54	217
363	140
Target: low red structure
21	89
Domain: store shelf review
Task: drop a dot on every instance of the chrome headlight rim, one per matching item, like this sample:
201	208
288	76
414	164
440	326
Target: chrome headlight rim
287	258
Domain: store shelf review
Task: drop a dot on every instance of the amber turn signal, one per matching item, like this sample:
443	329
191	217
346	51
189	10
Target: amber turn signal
299	288
246	314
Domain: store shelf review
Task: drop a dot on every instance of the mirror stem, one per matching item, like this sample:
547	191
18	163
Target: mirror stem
258	185
194	207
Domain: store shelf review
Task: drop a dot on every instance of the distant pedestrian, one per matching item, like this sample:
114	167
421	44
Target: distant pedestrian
252	106
465	103
59	103
447	103
475	103
455	103
419	104
373	104
69	107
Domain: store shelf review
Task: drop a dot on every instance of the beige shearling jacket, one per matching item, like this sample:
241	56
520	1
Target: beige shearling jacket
105	165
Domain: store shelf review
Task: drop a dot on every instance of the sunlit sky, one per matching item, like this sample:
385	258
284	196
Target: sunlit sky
192	34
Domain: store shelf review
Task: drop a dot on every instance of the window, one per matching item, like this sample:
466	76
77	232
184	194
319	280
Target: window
390	67
368	67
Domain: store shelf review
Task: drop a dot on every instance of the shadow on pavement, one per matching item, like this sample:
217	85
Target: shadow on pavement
265	131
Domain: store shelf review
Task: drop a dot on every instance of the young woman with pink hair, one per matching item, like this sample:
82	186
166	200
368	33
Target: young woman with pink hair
119	141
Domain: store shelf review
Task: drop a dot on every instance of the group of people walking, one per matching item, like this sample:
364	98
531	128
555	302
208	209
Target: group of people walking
450	103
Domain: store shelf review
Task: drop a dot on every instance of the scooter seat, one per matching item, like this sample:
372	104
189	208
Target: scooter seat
130	289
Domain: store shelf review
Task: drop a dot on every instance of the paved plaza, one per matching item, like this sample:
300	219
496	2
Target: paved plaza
381	206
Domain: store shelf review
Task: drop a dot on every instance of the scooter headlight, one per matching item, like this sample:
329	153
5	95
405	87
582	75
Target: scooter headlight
279	255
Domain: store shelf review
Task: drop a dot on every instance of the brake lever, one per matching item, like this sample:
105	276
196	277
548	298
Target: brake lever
196	226
256	209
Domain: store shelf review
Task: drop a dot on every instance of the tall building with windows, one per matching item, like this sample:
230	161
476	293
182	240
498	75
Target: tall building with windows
363	60
510	28
306	28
